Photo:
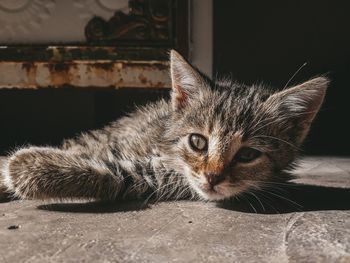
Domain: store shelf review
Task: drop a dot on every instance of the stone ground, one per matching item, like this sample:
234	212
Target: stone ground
308	221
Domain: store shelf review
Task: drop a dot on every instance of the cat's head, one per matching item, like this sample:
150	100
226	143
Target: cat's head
229	137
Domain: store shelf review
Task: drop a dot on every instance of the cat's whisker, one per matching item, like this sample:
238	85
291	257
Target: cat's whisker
250	204
135	186
258	119
255	196
269	182
295	73
236	197
261	184
282	197
271	120
278	189
298	206
261	191
157	191
180	194
161	192
277	119
269	204
278	139
170	192
290	185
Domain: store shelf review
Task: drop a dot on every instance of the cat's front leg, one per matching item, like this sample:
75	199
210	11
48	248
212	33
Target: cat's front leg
45	173
51	173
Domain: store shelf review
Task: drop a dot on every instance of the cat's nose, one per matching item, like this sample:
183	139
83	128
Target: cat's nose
214	178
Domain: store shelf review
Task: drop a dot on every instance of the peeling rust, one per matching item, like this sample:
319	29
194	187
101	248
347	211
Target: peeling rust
107	66
88	53
152	65
27	66
101	74
159	84
59	67
31	70
142	78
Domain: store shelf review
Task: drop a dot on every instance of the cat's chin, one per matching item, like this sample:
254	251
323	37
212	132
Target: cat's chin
220	192
213	195
217	193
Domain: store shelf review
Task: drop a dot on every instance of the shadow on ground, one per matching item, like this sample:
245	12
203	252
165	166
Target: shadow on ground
294	198
288	199
95	207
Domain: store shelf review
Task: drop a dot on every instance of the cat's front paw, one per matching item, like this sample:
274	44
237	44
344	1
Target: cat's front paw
22	168
4	190
5	182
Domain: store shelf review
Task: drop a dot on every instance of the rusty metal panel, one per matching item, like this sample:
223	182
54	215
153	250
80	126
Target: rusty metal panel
127	50
84	74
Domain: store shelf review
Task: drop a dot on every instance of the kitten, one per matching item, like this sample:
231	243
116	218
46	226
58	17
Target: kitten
211	141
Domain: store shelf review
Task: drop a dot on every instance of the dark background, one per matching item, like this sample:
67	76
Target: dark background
253	41
46	116
269	40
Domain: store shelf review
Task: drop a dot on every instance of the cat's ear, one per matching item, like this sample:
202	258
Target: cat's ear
186	80
300	103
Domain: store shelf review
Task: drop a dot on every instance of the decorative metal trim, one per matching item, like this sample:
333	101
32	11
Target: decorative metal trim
149	22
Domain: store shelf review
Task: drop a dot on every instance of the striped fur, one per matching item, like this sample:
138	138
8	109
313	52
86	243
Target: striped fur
146	155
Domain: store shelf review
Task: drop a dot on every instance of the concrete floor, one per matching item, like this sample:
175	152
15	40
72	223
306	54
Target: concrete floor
316	228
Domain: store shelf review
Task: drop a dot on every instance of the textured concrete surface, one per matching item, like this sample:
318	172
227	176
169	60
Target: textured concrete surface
299	223
324	171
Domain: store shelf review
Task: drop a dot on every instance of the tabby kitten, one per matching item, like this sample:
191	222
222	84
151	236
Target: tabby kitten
212	141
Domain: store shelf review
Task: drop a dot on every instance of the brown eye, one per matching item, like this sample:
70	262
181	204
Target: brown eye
198	142
246	155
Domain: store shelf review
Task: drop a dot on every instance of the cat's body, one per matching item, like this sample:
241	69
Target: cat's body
210	141
126	160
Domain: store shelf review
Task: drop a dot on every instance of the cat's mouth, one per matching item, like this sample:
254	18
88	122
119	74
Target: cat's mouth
220	191
216	192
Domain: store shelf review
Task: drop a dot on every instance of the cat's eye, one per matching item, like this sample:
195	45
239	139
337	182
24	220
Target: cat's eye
198	142
246	155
